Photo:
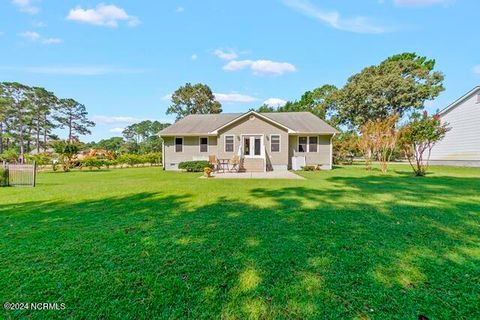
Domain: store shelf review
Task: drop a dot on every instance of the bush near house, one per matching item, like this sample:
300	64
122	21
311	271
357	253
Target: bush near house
3	177
194	166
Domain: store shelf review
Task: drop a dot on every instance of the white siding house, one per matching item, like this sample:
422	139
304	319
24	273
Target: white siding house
461	145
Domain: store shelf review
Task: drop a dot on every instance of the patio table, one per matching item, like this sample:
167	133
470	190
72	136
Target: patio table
223	164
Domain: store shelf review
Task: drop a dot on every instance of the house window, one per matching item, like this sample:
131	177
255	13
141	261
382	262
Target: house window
308	144
204	144
229	143
478	98
178	144
275	143
312	144
302	144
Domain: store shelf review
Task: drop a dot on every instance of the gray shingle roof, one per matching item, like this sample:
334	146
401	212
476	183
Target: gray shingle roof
203	124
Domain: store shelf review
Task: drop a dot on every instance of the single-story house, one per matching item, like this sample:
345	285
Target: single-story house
461	145
263	141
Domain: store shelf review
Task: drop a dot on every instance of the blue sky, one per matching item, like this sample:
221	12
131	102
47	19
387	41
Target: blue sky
123	58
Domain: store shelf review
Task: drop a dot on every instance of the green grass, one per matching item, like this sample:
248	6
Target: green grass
143	243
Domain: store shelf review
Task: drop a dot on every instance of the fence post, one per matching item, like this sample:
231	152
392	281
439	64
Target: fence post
34	173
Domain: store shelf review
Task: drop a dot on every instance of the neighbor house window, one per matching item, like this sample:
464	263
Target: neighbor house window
275	143
204	144
302	144
178	144
478	98
312	144
229	140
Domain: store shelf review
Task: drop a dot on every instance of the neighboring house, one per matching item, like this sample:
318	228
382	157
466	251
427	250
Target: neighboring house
461	145
263	141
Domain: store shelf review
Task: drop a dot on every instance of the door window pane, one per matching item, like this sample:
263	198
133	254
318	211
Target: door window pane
302	144
258	146
313	141
247	146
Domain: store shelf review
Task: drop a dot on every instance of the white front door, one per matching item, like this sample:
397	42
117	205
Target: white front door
253	146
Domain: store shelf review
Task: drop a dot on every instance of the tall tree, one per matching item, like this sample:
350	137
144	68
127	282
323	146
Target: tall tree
42	103
73	116
193	99
143	136
4	103
398	85
318	101
18	110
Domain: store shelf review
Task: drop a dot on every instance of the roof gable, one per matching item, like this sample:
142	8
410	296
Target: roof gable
258	115
457	102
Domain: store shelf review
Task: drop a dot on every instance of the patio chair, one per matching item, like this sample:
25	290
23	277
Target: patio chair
212	159
235	163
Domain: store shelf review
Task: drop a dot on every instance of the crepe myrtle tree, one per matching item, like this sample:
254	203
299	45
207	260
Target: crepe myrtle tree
418	137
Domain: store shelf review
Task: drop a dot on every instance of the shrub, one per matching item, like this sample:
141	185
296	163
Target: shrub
92	162
41	159
129	159
310	168
194	166
152	158
9	155
418	137
3	177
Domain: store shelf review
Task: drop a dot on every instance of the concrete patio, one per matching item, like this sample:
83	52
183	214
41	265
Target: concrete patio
256	175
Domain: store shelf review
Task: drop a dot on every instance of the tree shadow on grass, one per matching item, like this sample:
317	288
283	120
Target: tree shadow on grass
373	247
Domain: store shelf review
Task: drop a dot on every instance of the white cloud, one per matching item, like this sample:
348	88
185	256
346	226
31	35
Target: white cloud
74	70
180	9
476	70
26	6
334	19
194	57
167	97
275	102
419	3
103	15
30	35
224	55
51	40
260	66
36	37
39	24
234	98
116	130
115	119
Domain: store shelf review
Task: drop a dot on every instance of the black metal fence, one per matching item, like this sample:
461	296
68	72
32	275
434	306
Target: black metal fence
20	174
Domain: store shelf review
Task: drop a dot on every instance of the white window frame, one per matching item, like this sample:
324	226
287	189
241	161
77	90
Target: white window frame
200	144
225	143
279	143
252	144
298	144
308	144
175	144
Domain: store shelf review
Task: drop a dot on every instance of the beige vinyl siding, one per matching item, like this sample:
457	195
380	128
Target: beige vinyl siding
462	142
323	156
255	126
191	150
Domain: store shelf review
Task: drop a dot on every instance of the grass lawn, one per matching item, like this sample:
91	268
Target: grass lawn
143	243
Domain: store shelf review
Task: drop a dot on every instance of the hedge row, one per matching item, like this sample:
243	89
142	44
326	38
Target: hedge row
194	166
127	159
